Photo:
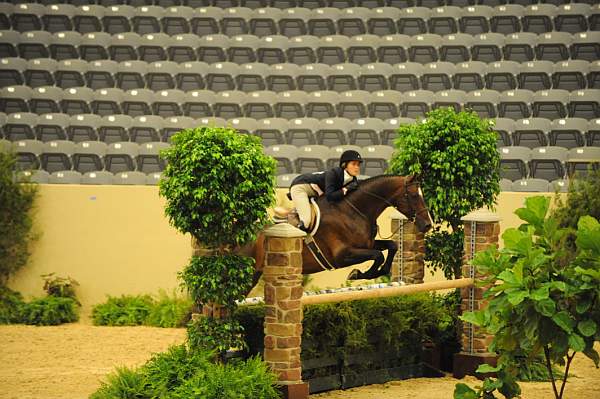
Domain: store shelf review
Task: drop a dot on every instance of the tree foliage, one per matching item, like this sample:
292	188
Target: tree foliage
16	204
218	185
455	155
538	305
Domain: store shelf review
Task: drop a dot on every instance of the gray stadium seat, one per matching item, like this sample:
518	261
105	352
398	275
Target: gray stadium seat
145	128
40	72
107	101
198	103
101	74
56	155
570	75
333	131
285	155
568	133
114	128
70	73
384	104
65	45
582	158
301	131
548	162
375	159
531	132
97	177
120	157
550	104
535	75
502	75
311	158
584	104
285	180
530	185
88	156
52	126
513	162
365	132
469	76
65	177
83	127
129	178
124	46
390	129
271	131
20	126
149	160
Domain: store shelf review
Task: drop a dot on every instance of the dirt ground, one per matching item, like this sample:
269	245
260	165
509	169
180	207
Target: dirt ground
68	362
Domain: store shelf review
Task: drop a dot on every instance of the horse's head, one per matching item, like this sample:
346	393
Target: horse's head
412	204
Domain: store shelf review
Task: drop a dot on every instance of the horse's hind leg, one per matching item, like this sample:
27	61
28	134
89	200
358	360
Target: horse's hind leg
359	255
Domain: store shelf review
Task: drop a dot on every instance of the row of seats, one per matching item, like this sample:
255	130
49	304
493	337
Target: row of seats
298	21
311	4
300	50
531	132
353	104
547	162
89	156
534	185
96	177
164	75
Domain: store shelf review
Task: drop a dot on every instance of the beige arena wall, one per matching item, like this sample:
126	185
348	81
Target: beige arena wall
116	240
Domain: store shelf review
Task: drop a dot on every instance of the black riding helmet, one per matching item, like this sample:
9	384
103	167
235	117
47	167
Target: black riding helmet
349	155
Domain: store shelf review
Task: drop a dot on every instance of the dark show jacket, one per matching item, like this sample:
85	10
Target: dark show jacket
330	182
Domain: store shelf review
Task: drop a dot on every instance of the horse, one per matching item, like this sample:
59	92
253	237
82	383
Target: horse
347	230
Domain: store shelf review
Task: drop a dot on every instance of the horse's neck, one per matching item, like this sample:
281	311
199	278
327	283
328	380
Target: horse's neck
365	199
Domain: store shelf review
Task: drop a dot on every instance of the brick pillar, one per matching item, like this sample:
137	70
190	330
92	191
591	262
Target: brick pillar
282	275
482	229
408	264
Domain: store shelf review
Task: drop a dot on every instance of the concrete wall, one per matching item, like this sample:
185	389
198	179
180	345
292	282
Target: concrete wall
116	240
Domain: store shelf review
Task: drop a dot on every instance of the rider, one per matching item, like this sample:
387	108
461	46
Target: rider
334	183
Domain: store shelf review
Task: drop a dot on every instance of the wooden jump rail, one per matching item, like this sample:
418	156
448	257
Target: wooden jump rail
386	292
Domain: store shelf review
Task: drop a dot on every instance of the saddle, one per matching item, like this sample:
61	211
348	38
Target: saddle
284	215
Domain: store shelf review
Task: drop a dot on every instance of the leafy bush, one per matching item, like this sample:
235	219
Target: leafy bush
11	303
169	311
16	203
455	155
126	310
538	306
133	310
50	311
395	325
218	185
181	373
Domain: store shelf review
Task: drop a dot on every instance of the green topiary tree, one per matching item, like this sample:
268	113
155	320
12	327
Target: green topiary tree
16	203
455	155
218	185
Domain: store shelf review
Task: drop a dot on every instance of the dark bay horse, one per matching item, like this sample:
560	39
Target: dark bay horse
347	230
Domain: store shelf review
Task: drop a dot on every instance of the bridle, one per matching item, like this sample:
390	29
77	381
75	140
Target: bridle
388	203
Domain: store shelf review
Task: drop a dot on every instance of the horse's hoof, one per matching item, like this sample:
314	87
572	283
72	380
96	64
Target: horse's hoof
354	275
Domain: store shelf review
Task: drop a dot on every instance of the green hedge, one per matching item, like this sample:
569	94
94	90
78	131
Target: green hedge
183	374
394	325
46	311
134	310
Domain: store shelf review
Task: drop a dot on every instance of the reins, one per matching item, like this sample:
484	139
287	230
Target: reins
388	203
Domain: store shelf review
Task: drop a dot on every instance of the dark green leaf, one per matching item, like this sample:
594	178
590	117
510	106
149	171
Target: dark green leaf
587	328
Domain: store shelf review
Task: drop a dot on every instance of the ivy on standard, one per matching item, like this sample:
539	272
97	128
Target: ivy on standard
538	306
218	185
456	157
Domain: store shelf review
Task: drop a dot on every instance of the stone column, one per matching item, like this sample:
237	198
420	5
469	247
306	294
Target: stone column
282	275
409	263
482	229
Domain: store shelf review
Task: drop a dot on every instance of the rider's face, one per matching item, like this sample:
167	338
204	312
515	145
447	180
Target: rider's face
353	168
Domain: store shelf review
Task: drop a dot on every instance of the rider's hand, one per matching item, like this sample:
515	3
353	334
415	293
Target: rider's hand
344	190
352	186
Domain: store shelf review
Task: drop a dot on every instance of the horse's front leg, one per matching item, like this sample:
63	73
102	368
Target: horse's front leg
392	248
353	256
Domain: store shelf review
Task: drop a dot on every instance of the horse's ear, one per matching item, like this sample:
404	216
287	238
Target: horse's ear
410	178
